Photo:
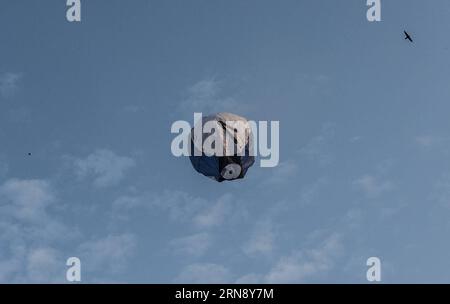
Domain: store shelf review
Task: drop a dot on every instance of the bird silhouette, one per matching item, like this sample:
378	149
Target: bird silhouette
407	36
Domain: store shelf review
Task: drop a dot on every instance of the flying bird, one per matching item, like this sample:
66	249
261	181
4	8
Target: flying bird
407	36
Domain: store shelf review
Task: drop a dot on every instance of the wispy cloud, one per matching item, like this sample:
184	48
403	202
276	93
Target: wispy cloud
313	84
26	199
108	254
355	139
216	214
104	166
193	245
206	96
34	241
9	83
29	232
179	206
281	174
204	273
430	141
310	191
441	191
317	149
262	239
373	186
124	205
44	265
303	264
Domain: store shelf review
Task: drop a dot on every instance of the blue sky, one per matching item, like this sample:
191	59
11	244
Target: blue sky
364	141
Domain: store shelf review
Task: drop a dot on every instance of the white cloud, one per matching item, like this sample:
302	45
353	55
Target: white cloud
355	139
302	265
441	191
124	205
9	83
373	186
262	239
310	192
45	265
250	279
430	141
26	199
33	265
32	238
305	264
354	218
216	214
179	205
313	84
107	168
206	273
317	149
204	96
193	245
28	233
283	173
109	254
204	90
